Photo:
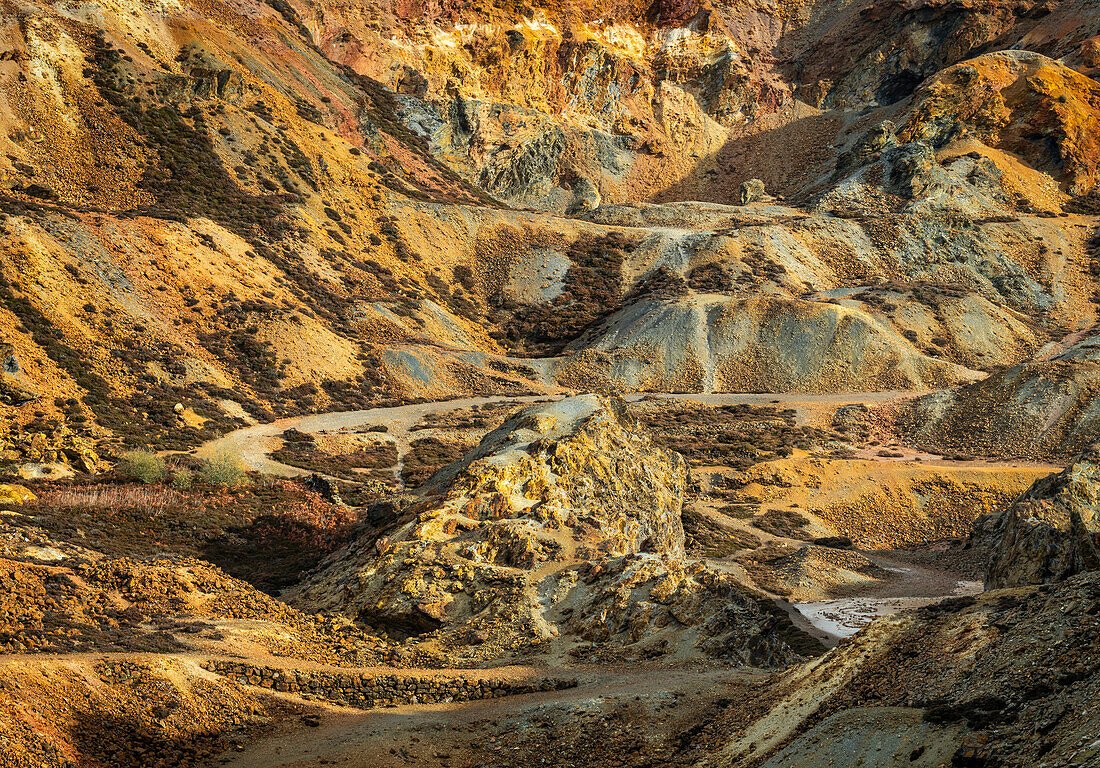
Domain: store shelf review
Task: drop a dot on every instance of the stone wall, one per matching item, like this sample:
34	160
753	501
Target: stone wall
367	691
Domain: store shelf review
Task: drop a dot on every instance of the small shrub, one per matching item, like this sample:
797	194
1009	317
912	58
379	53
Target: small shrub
223	468
142	465
182	478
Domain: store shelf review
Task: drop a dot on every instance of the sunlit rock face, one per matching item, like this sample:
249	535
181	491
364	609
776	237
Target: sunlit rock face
564	521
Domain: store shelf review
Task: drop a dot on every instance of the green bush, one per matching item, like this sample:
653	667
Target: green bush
142	465
182	478
223	468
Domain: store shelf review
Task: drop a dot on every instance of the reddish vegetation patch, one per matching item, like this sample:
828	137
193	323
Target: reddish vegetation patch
422	174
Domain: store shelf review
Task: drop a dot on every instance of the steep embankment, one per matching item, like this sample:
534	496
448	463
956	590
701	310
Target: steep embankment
1045	407
1048	534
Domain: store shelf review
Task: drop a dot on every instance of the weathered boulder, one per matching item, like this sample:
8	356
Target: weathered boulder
752	191
1051	532
14	389
14	494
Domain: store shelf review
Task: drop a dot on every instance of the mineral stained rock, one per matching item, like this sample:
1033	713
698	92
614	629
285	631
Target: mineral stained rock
565	520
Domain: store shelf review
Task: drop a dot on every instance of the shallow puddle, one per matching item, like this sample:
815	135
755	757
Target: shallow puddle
843	618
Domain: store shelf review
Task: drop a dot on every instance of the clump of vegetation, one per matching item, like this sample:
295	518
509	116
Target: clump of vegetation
736	436
142	465
428	455
659	284
740	511
224	468
149	502
708	538
784	522
182	478
591	291
300	450
710	278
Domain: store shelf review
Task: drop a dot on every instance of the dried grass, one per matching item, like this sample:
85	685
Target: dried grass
151	500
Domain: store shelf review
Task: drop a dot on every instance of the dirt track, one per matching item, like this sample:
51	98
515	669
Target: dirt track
255	443
483	732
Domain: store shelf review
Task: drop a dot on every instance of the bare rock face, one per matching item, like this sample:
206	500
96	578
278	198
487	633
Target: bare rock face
1051	532
565	521
560	482
1006	98
574	464
23	451
586	197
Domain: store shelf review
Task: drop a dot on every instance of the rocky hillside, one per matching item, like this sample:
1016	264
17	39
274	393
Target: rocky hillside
1003	680
562	106
562	528
1048	534
1045	407
998	680
253	210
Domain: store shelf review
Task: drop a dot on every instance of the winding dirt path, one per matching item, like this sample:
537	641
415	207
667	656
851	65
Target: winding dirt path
255	443
477	732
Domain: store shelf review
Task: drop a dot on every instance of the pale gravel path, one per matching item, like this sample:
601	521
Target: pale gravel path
256	442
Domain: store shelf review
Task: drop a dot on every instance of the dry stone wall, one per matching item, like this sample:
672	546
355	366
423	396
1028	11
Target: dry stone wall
367	691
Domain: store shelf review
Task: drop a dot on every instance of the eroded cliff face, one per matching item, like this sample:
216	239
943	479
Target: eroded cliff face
545	102
563	527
